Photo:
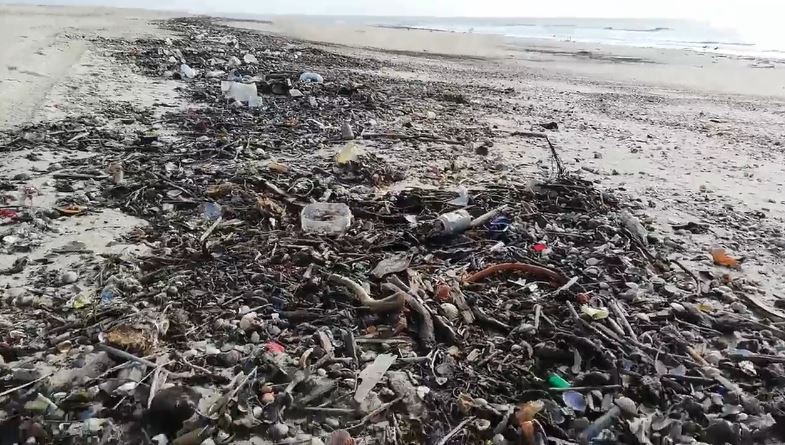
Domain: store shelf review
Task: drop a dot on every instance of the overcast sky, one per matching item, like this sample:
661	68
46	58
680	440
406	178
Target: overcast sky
722	10
762	17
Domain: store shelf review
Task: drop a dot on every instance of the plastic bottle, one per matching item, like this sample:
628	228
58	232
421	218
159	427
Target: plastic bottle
454	223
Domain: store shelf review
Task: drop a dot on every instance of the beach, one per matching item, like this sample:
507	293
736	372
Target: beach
691	132
159	175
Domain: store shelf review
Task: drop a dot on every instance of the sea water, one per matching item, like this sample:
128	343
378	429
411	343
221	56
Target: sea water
655	33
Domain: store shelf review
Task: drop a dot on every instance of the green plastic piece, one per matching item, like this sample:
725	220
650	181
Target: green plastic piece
557	382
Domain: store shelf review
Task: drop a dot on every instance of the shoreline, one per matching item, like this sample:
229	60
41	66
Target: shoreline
683	70
776	56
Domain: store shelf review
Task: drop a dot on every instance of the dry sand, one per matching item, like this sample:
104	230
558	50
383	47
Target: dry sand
42	45
689	133
50	69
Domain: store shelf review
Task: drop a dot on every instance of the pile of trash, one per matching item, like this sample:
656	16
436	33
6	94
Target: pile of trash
289	297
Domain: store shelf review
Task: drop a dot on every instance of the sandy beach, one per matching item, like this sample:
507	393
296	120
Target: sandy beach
199	244
692	133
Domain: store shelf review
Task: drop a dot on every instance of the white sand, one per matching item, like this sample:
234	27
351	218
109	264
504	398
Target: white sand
49	70
41	45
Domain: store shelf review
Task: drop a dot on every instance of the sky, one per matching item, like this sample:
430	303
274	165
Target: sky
759	19
724	10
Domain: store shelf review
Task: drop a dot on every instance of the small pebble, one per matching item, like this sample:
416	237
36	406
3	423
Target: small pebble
248	321
671	290
258	411
231	358
627	406
499	440
278	431
450	311
738	307
69	277
25	374
592	271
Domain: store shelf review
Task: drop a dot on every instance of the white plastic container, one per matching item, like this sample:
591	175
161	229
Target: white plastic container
454	223
244	92
326	218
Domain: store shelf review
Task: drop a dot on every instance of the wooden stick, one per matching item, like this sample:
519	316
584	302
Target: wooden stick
689	272
585	388
482	219
554	153
210	230
78	176
375	413
390	304
426	331
455	431
124	355
23	386
614	305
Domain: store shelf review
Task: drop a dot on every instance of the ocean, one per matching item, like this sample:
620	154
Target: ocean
654	33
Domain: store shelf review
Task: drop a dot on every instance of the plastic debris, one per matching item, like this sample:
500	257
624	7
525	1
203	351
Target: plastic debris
372	374
595	313
350	152
721	258
346	131
556	381
326	218
634	226
187	71
243	92
211	211
574	400
463	197
453	223
311	77
498	228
